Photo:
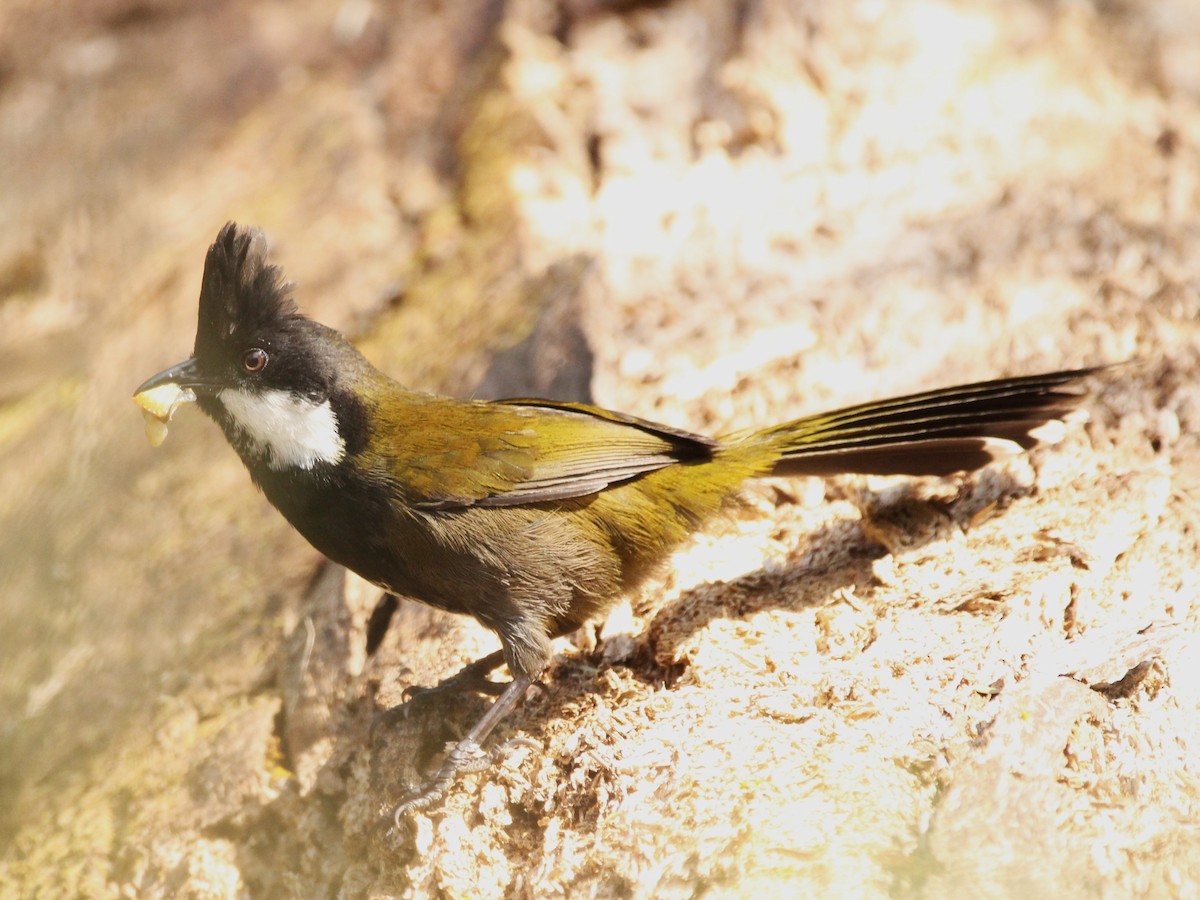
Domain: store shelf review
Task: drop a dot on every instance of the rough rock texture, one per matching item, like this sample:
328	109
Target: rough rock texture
981	686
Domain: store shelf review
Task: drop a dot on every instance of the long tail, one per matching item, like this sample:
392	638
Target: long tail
937	432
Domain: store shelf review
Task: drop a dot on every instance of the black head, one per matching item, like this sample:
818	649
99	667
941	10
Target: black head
249	333
278	383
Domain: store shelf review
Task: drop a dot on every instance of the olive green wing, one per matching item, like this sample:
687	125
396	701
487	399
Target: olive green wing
456	454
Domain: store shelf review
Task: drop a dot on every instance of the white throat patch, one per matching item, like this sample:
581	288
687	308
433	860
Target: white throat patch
289	431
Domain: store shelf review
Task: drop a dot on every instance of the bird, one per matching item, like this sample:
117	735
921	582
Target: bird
533	516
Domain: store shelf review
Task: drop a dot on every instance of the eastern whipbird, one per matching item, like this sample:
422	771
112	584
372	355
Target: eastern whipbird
533	516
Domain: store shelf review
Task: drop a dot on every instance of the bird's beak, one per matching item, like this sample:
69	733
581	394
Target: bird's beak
184	374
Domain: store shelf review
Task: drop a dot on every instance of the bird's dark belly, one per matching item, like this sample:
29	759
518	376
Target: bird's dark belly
389	548
529	571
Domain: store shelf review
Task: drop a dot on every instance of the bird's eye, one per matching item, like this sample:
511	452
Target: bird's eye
254	360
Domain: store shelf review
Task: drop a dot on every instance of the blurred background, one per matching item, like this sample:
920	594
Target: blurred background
748	210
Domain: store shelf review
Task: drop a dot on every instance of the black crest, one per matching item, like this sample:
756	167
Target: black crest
241	294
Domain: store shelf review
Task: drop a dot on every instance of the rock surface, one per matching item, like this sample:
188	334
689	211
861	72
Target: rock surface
745	211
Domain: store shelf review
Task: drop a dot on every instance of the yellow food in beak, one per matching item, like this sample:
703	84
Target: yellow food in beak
158	405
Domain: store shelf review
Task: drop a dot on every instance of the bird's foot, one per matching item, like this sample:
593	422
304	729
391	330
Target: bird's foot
467	755
470	678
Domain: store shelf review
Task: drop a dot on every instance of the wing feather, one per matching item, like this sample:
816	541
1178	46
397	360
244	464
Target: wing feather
456	455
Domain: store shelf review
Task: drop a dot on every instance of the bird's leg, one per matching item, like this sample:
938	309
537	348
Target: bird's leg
381	618
471	677
467	754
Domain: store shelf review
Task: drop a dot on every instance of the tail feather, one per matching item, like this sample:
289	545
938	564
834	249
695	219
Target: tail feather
936	432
